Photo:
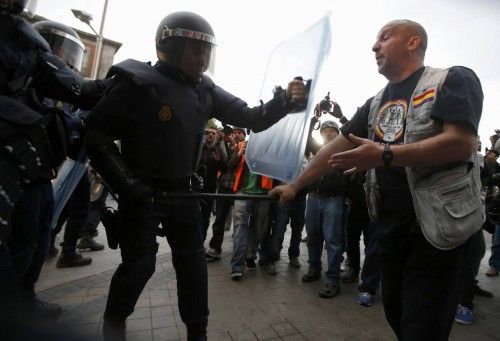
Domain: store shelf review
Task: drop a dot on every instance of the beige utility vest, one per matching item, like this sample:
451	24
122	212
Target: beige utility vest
446	198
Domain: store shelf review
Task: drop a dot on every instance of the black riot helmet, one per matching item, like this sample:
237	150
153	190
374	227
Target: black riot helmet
186	41
64	42
12	6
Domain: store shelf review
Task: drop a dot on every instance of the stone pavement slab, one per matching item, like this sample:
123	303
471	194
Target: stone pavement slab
259	307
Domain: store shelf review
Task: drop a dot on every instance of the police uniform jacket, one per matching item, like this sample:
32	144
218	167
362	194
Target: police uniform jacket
159	116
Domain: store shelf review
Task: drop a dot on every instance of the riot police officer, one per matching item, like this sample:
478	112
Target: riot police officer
67	45
159	113
32	142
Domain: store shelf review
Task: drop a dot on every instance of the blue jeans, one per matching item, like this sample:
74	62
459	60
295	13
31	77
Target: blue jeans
325	220
250	223
495	249
293	211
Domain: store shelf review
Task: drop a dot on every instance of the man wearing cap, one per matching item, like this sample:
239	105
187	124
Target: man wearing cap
325	218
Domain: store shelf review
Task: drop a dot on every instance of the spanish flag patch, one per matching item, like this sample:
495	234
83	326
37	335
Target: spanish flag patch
427	96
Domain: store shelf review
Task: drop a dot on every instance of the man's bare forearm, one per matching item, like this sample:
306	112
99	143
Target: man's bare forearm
455	143
319	164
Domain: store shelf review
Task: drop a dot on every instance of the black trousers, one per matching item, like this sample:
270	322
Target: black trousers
421	285
75	215
206	211
222	207
181	221
358	222
370	273
474	254
30	239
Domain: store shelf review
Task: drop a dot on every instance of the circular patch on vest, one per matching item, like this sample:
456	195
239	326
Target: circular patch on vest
165	113
391	120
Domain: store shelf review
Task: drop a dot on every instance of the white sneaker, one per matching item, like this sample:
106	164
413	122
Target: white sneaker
236	275
211	254
270	269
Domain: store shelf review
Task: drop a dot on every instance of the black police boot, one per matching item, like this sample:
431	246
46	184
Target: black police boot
197	331
89	243
72	259
41	310
53	251
114	330
478	291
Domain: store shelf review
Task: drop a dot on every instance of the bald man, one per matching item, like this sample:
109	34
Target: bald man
416	137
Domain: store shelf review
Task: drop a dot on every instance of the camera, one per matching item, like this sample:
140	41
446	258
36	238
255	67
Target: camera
326	104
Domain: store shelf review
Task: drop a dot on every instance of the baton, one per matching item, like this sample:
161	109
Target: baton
159	196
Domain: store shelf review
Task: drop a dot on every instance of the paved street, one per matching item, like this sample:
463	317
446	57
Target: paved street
260	307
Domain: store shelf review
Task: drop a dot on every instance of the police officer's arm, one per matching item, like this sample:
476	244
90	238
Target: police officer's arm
109	121
56	80
231	109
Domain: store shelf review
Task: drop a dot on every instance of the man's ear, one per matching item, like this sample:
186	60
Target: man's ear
414	43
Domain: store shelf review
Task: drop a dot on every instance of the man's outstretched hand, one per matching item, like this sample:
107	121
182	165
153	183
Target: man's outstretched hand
283	192
367	154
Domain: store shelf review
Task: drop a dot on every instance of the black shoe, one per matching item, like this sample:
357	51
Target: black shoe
349	276
250	264
294	261
68	260
311	275
329	290
42	310
53	251
89	243
478	291
197	331
114	331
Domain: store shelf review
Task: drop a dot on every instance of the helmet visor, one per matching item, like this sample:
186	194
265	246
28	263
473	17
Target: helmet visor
65	46
190	51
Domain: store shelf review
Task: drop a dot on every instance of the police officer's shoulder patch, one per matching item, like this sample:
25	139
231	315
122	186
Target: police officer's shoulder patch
165	113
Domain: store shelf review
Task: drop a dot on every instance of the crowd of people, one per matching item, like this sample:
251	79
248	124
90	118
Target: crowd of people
403	172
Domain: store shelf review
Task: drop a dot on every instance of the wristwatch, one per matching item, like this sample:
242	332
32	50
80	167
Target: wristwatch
387	155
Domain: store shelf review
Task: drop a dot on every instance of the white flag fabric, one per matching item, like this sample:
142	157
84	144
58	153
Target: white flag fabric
278	151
